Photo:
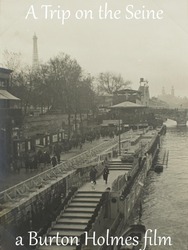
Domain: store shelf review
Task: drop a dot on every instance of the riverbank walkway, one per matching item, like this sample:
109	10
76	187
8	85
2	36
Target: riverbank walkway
14	178
114	172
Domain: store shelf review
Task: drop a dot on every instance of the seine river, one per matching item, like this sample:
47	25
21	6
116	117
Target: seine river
165	198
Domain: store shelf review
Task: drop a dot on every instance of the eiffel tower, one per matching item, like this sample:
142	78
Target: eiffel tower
35	52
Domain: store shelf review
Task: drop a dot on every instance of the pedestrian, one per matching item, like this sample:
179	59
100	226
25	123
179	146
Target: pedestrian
93	174
47	157
58	157
105	173
34	162
27	162
57	152
54	161
80	145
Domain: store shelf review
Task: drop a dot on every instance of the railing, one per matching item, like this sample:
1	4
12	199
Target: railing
119	183
30	185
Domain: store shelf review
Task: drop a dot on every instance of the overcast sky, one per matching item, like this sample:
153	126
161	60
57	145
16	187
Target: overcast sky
156	50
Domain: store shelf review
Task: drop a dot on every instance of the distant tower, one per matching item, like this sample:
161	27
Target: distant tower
144	89
35	52
172	91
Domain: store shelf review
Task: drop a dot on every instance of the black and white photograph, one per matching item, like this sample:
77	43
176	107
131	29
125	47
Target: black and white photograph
93	125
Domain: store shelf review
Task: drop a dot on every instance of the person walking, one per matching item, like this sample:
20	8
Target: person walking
54	161
80	143
105	174
93	174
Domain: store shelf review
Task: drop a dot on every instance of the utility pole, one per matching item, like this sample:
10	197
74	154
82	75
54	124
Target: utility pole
119	135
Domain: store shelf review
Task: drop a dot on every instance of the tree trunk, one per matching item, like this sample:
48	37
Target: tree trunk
75	123
69	124
81	124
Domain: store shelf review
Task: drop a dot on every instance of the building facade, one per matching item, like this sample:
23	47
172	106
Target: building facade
10	120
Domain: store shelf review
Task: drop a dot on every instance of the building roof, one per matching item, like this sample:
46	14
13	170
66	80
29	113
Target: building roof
5	70
127	91
5	73
5	95
124	105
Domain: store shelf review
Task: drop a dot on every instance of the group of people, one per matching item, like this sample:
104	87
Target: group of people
41	160
93	174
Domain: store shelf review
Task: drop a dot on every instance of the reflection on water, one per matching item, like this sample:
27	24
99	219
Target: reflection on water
165	199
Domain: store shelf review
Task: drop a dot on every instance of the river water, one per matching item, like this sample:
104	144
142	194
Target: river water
165	197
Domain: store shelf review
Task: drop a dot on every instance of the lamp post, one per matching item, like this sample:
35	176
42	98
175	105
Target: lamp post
119	139
119	133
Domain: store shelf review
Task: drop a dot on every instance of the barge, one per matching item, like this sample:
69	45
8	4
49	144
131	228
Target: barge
134	234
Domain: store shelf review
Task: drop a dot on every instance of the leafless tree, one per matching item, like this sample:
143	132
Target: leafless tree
108	83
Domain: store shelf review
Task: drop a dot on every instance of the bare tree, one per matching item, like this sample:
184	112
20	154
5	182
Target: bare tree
108	83
12	60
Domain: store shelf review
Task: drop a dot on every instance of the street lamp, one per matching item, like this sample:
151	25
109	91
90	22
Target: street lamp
119	138
119	132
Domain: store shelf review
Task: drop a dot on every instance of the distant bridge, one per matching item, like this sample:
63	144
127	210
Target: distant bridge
179	115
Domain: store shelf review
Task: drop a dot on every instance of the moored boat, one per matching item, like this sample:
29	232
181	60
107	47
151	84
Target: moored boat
134	235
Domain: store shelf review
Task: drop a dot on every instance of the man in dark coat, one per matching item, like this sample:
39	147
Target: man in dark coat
105	173
54	161
93	174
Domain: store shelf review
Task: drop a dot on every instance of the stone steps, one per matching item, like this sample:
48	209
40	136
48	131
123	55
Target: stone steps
119	165
83	204
74	219
68	233
77	215
73	226
80	209
85	199
87	195
90	193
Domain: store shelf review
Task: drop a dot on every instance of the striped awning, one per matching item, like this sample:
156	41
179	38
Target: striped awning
5	95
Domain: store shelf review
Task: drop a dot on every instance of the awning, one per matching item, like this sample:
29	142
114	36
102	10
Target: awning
5	95
127	105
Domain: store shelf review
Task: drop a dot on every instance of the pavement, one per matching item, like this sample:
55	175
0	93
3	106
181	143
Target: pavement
101	186
14	178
